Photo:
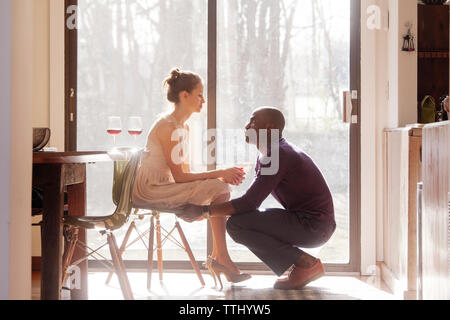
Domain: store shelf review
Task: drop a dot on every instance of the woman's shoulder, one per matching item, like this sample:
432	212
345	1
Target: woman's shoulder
163	121
163	126
168	122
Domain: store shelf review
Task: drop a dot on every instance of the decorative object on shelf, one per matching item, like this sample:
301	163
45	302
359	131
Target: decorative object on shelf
41	136
446	109
428	110
409	39
441	115
434	2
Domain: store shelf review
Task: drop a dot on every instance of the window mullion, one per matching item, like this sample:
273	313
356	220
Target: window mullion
212	93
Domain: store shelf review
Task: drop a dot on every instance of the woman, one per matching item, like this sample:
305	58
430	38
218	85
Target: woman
164	178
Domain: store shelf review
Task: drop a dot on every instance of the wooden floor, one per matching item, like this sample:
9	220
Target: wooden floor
258	288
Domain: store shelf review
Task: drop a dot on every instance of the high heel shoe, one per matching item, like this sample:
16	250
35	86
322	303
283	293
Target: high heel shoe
207	265
216	270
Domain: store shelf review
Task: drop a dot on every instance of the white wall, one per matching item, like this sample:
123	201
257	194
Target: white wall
368	145
48	78
21	149
382	115
401	78
41	64
392	63
48	64
407	65
56	72
41	88
402	66
5	134
388	100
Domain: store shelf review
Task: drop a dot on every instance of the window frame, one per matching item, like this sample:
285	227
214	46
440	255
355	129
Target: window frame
354	265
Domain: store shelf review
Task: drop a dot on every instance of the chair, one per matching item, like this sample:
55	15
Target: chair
124	175
162	236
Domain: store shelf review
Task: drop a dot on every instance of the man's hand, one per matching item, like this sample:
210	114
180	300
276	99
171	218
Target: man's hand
192	213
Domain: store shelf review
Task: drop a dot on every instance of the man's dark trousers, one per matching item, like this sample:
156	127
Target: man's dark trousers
275	235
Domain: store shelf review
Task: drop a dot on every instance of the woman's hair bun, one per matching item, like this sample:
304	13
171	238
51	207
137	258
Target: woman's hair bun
175	74
173	77
179	81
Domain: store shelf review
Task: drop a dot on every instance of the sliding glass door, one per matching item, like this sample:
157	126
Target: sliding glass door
126	48
297	55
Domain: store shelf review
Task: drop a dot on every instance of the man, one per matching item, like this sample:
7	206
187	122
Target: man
276	235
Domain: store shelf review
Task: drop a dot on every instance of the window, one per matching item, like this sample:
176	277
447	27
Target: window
126	49
292	54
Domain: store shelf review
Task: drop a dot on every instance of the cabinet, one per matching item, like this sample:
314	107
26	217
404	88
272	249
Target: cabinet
433	53
403	170
436	212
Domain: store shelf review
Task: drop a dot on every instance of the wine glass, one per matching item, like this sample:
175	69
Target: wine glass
247	168
135	127
114	127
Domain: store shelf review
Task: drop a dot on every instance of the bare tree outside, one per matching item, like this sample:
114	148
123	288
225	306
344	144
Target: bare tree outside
293	54
126	50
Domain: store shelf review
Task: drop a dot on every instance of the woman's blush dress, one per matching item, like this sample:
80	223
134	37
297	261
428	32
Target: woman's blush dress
155	186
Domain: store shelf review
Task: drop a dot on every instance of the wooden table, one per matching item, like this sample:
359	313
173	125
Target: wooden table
53	172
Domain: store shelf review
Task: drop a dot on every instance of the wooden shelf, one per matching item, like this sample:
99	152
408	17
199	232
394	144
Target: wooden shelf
433	49
434	55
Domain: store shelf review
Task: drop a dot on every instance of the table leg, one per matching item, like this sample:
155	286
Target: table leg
76	196
53	203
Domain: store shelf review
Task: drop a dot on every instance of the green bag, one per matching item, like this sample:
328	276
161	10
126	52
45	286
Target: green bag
428	110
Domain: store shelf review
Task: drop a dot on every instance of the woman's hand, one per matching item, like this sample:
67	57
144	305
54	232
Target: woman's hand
233	176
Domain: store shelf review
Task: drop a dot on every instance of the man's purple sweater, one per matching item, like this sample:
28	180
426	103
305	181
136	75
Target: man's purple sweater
299	186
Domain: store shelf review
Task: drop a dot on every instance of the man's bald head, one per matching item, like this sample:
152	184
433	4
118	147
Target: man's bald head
270	116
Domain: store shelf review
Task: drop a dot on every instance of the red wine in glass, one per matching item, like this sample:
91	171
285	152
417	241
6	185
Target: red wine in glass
114	127
114	132
135	127
135	133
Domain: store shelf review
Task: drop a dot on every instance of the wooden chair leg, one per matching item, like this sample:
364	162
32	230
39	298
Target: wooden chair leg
68	254
159	247
190	254
120	268
122	248
151	240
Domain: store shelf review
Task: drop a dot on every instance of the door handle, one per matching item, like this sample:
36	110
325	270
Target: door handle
350	111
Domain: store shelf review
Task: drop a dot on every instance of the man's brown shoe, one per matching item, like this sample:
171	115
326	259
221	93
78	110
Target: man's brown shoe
299	278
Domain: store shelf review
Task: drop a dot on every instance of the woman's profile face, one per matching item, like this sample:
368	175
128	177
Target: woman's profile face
195	100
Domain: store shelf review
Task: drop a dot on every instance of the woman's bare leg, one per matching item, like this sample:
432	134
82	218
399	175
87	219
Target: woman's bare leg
220	250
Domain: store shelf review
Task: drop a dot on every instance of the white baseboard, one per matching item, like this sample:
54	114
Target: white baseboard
395	285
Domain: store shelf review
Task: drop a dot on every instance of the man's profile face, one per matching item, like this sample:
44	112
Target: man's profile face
255	124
